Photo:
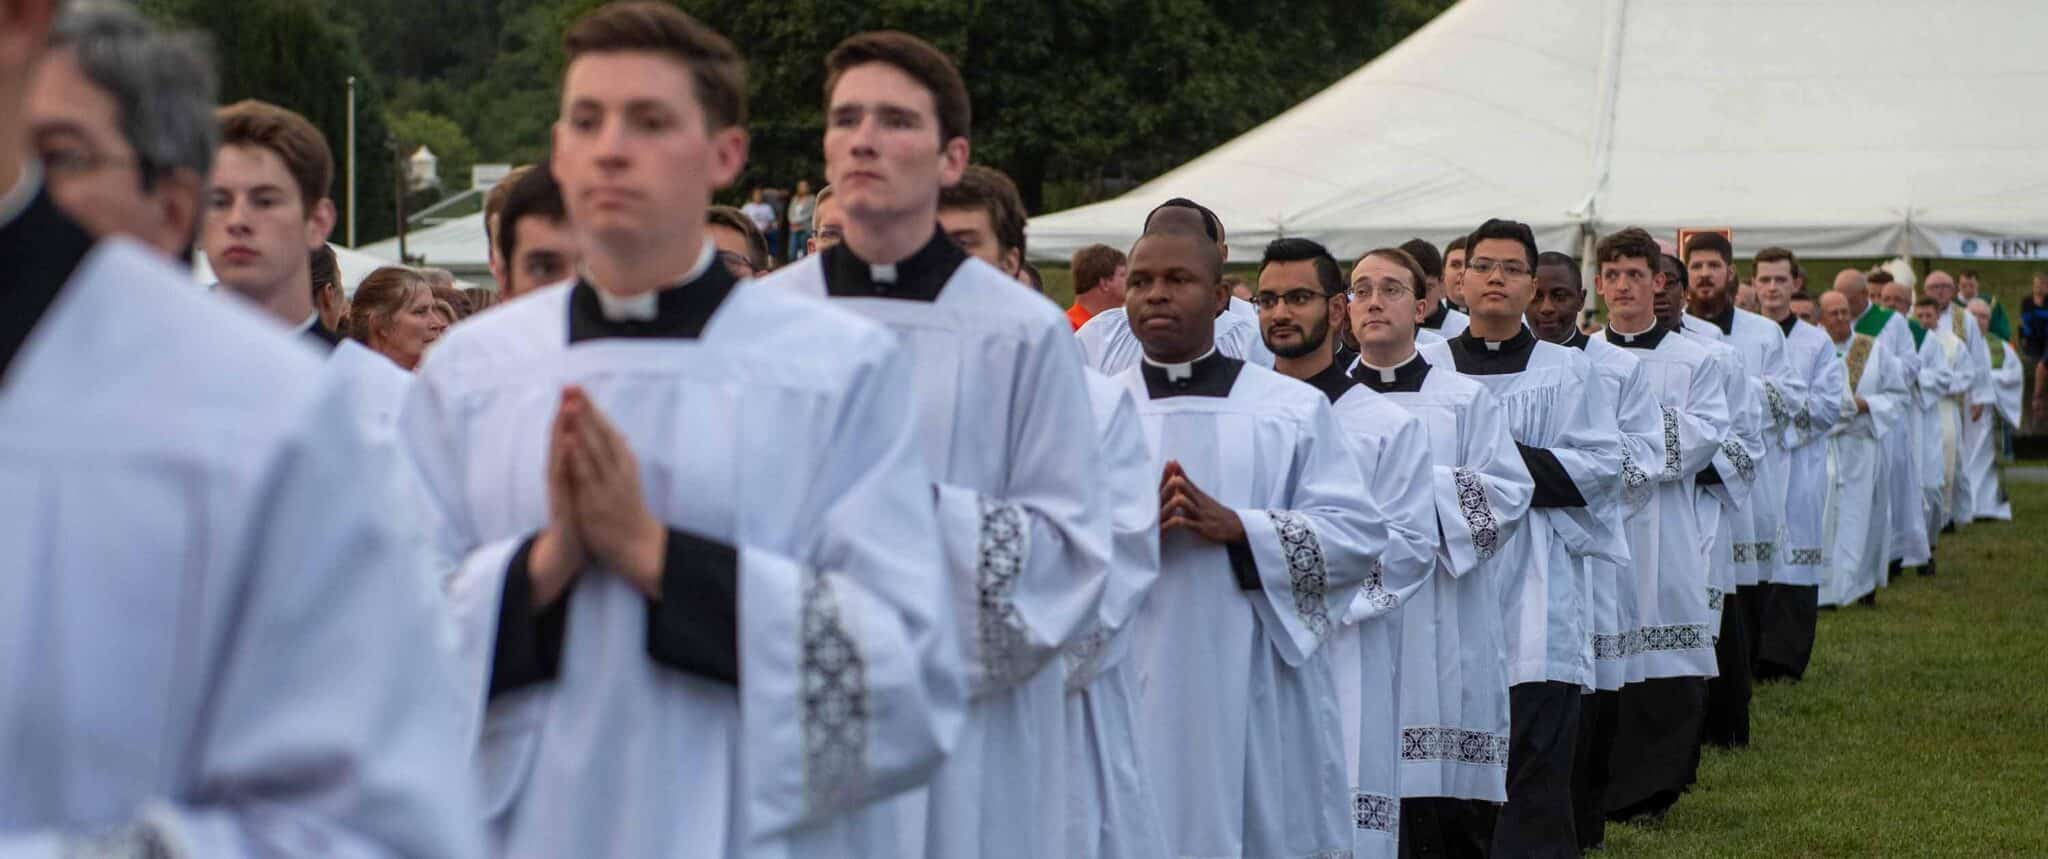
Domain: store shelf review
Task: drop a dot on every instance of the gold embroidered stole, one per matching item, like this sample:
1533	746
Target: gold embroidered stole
1859	354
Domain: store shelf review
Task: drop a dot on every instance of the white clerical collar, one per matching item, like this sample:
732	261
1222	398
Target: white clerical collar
1177	372
1630	336
646	305
308	324
1388	374
882	272
18	198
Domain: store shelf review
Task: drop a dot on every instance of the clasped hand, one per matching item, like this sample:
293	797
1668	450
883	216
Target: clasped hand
595	509
1184	505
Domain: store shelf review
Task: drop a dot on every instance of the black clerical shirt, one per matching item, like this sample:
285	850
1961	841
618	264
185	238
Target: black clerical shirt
694	627
40	248
1405	378
919	277
1477	356
1332	381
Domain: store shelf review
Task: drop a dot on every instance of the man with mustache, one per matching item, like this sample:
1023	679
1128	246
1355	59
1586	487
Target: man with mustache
1301	300
1757	526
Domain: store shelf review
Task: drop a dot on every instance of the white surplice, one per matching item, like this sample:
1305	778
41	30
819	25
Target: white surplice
1393	448
1980	437
1945	381
215	627
1907	538
1551	402
1109	808
1611	601
379	385
1454	323
1000	398
1454	677
1677	624
1809	353
1859	496
1779	389
1727	514
785	431
1974	389
1109	346
1240	737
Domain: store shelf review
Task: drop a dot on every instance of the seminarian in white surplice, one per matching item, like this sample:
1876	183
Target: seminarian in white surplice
1267	531
696	568
1302	306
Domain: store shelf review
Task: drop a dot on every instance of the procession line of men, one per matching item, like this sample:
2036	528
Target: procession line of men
664	560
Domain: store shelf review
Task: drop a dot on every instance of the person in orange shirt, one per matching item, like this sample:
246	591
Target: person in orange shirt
1098	282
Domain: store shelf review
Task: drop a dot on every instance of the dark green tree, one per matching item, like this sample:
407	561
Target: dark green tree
297	54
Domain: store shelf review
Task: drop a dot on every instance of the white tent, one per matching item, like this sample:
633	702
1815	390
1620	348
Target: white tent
1834	127
457	245
354	265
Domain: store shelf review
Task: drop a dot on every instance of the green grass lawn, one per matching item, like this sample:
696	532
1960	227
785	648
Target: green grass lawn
1921	728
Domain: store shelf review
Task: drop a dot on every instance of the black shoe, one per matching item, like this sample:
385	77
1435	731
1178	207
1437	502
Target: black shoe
1895	568
1868	599
1928	568
1950	528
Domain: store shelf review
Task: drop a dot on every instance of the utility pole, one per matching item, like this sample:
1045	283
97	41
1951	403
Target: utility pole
351	147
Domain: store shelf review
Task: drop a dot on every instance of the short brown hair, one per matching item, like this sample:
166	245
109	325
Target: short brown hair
914	57
1094	264
733	219
381	297
1714	242
716	70
1630	243
301	146
326	270
1879	277
986	188
494	199
1778	254
1405	260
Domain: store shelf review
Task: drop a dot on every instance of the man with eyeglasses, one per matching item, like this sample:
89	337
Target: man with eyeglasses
121	116
1301	298
1563	425
1453	700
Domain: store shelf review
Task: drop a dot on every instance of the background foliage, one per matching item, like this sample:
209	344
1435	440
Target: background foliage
1075	99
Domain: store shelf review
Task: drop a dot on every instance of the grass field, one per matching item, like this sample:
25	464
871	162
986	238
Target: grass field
1921	728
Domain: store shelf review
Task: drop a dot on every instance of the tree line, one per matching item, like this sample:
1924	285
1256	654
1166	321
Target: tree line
1076	99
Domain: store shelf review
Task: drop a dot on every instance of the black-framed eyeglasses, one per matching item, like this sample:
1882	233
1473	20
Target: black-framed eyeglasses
1296	298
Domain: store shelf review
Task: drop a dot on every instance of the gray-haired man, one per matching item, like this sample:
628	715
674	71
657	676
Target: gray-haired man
122	117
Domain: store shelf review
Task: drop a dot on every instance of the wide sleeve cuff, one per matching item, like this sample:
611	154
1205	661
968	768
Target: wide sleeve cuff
1471	531
694	627
840	707
528	648
1294	579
